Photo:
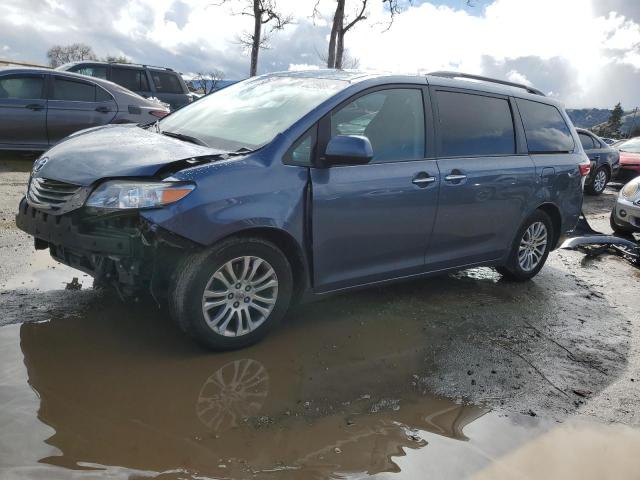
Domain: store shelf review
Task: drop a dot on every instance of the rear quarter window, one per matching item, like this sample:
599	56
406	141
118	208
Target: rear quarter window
545	128
131	78
167	82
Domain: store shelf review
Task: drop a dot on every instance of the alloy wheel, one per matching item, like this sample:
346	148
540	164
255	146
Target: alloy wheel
532	246
600	180
240	296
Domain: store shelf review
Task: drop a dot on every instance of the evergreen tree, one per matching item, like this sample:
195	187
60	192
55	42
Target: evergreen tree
615	121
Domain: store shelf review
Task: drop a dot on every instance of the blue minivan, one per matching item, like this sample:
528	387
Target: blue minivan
293	185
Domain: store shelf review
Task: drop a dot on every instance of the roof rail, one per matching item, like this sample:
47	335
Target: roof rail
446	74
139	65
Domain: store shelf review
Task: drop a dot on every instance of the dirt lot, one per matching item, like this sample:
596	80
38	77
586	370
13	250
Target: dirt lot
453	377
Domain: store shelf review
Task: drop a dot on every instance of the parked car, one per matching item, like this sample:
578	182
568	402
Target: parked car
39	107
629	159
294	185
625	217
145	80
605	161
609	141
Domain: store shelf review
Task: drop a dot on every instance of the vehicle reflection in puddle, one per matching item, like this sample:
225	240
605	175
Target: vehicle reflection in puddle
127	390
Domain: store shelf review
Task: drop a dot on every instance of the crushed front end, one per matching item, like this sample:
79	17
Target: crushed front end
119	248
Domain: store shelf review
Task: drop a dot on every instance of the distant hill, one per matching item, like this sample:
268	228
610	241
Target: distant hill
593	117
588	117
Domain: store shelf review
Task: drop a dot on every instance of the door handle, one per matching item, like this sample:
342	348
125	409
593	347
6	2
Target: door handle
423	179
455	178
103	109
34	106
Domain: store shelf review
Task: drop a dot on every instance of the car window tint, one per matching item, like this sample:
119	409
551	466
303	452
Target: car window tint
132	78
102	95
544	127
166	82
73	91
21	87
586	140
472	125
392	120
98	71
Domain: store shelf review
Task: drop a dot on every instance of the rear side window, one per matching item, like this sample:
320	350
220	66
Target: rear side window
73	91
586	140
392	120
27	88
475	125
166	82
99	71
132	78
544	127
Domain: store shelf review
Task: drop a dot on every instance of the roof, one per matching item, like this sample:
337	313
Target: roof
120	64
446	79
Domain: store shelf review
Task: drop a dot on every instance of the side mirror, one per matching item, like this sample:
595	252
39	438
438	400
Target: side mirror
348	150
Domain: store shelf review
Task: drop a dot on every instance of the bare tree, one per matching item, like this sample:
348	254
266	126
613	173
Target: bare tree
61	54
348	61
343	22
265	14
210	81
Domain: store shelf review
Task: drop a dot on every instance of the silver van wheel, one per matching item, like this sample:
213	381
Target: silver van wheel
240	296
532	246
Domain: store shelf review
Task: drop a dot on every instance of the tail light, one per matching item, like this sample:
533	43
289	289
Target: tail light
585	168
159	113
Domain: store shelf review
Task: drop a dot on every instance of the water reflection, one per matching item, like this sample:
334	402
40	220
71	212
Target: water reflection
236	391
126	390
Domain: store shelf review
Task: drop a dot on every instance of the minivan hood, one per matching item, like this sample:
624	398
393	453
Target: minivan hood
115	151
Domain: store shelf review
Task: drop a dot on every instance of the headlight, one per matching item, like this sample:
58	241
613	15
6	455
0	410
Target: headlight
119	194
631	189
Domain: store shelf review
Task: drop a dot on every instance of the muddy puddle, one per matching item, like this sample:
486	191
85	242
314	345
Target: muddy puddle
456	377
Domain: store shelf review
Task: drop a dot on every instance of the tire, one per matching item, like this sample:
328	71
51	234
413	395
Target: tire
244	310
513	268
601	178
618	228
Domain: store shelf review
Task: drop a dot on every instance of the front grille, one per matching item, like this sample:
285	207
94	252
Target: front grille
50	194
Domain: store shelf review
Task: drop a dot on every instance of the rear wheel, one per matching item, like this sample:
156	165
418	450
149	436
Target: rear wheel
232	295
530	248
599	183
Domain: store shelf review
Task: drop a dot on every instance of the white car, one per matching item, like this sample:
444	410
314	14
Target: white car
625	217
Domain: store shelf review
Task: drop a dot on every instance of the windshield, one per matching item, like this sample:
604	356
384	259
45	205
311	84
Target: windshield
632	146
250	114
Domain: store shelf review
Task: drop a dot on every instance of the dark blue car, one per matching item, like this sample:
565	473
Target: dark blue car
291	186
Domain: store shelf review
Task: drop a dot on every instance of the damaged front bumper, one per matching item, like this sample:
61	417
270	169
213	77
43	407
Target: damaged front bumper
122	248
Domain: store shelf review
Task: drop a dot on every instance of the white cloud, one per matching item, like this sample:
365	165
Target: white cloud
517	77
571	46
427	38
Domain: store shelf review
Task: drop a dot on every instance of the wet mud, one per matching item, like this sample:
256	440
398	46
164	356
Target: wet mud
461	376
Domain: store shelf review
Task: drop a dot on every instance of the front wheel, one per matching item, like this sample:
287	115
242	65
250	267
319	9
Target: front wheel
599	183
530	248
232	295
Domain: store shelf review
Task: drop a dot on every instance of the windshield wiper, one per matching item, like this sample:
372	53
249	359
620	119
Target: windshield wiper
184	138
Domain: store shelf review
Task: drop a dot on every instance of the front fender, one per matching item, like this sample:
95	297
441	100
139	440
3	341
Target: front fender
234	196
